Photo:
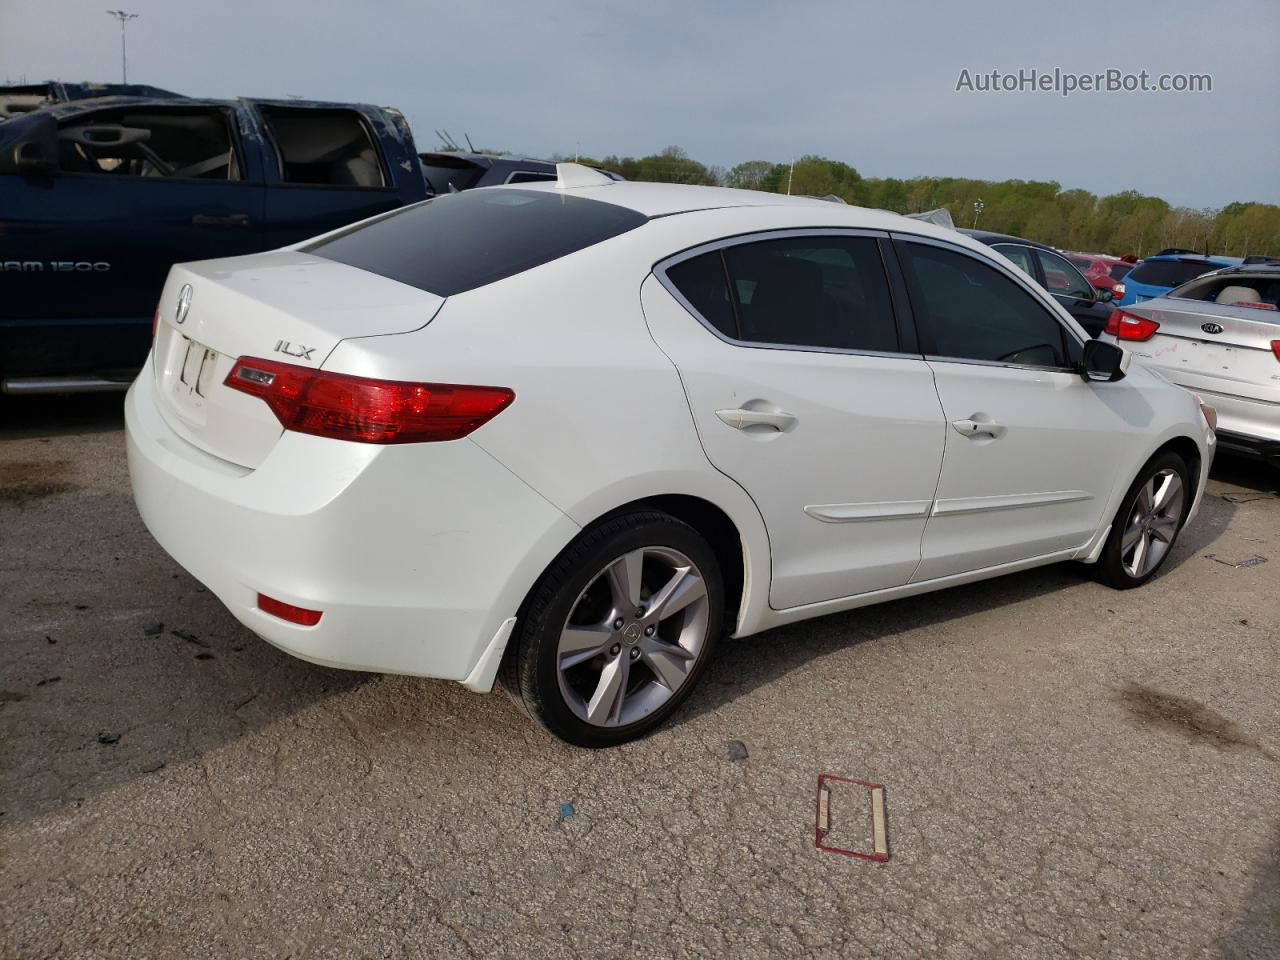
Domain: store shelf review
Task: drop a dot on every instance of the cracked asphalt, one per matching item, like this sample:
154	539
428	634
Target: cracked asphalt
1070	771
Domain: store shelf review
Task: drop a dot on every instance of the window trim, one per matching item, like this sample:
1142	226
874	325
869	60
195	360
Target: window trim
1041	296
905	331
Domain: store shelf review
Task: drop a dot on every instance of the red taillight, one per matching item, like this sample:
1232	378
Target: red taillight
287	611
1124	325
1118	290
1275	348
365	410
1254	305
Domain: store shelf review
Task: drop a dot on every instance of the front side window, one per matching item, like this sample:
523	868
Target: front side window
1062	278
165	143
967	310
324	147
826	292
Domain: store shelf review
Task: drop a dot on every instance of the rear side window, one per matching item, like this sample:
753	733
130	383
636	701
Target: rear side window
1020	254
702	281
528	176
1168	273
446	173
460	241
324	147
967	310
826	292
1121	270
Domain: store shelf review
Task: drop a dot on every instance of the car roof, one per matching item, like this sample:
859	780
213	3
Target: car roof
987	237
1193	258
667	199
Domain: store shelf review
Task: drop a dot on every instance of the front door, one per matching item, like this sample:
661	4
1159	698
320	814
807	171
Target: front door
1031	448
789	351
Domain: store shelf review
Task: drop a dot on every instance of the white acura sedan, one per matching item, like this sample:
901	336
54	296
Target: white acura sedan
573	432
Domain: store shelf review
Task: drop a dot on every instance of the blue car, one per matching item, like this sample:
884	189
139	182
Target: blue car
1157	275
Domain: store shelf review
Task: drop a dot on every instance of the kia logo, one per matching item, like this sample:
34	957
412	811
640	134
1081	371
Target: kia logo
1211	327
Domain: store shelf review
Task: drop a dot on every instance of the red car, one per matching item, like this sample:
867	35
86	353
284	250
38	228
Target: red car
1105	273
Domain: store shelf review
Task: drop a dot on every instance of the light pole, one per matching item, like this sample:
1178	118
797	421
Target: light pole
977	209
124	62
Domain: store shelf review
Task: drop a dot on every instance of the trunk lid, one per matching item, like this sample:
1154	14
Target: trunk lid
1213	346
286	306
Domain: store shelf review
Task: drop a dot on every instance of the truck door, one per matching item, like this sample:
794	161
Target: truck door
87	244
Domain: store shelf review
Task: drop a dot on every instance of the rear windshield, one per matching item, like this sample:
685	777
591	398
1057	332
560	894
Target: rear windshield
446	174
461	241
1259	290
1121	270
1168	273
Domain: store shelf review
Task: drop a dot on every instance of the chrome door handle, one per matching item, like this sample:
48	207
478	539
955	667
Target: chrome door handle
977	428
740	418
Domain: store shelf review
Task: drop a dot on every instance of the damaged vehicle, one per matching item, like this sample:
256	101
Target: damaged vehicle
99	196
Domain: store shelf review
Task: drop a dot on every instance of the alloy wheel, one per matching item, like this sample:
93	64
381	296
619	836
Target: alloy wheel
633	636
1153	523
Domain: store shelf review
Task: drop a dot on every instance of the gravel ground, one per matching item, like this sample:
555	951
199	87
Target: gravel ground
1070	771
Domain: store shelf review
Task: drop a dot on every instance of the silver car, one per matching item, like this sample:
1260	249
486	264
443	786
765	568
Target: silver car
1218	336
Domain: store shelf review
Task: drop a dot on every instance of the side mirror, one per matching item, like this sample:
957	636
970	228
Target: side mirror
1103	296
31	159
1103	362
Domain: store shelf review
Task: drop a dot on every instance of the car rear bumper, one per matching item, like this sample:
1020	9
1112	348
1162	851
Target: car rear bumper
416	555
1268	450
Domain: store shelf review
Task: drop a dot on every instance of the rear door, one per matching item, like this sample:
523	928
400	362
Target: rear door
137	189
805	391
1031	449
328	166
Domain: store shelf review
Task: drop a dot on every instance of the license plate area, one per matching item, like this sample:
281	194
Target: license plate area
1208	357
196	377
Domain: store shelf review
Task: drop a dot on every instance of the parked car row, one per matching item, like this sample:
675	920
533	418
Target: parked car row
1219	336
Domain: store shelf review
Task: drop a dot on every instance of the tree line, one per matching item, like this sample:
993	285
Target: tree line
1120	223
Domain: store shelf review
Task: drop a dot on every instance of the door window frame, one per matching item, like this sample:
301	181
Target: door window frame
1039	252
902	318
1040	297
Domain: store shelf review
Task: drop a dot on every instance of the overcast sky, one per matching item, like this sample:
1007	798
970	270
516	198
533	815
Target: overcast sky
872	84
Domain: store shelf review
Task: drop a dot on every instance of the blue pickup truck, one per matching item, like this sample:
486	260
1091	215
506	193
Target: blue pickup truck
99	196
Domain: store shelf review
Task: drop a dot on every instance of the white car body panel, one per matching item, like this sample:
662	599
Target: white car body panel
420	555
866	446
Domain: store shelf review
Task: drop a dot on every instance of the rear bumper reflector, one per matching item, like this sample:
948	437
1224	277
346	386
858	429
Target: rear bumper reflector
287	611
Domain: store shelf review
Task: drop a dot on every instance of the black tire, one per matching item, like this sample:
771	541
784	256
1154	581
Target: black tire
530	669
1110	568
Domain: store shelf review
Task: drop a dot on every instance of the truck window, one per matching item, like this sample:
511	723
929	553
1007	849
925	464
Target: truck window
324	147
178	144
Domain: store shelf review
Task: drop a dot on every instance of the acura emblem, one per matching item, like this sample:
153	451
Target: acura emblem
1211	327
184	304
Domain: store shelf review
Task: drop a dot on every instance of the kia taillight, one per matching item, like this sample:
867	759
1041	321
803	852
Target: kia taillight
1124	325
363	409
